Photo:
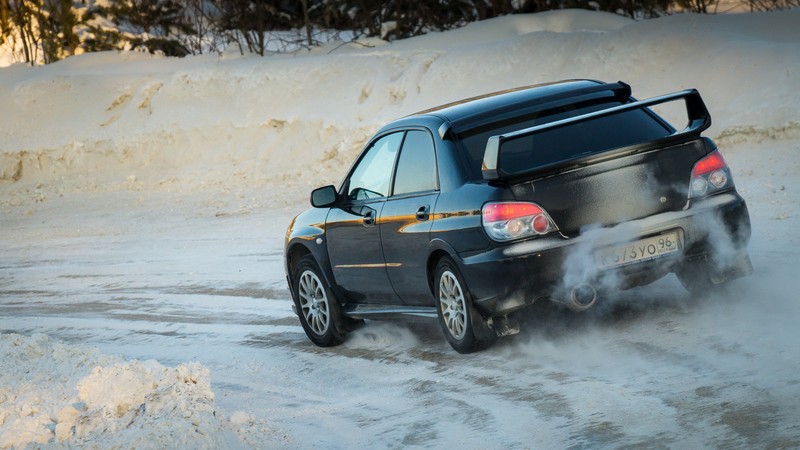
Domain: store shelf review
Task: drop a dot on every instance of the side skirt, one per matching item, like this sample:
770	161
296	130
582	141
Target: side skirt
388	311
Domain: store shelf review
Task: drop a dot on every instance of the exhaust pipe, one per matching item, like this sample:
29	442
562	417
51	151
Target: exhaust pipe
581	298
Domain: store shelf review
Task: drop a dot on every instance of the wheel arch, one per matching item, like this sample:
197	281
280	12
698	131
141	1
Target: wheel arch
482	334
439	249
296	251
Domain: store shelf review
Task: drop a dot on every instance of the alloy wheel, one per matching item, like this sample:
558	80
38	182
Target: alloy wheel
314	302
453	305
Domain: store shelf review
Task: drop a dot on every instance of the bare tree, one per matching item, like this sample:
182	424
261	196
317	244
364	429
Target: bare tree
769	5
256	22
697	6
5	22
153	24
26	30
307	23
202	17
44	30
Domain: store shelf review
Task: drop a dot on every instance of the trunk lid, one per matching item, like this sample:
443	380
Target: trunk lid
615	190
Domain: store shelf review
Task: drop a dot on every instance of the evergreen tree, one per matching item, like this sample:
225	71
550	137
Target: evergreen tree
48	30
57	22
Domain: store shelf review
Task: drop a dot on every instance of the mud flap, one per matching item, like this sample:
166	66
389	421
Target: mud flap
481	327
740	268
502	326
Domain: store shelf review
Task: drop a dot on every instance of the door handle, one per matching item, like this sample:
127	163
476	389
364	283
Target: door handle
369	217
424	212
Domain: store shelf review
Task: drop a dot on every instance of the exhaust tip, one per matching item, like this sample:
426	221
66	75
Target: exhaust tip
582	297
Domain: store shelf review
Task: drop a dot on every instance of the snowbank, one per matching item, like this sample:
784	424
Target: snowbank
133	121
54	392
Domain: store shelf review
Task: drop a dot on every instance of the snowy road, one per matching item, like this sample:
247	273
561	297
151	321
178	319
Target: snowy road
179	278
143	203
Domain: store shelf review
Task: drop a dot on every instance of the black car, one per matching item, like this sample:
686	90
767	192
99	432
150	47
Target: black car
472	211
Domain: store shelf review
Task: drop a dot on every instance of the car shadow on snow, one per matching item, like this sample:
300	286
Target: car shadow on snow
614	309
663	302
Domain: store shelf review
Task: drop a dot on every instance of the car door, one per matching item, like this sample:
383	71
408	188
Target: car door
407	218
352	228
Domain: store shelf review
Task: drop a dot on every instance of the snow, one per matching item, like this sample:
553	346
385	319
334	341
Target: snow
145	199
113	403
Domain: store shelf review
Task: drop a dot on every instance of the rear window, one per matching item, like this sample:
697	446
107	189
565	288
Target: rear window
565	143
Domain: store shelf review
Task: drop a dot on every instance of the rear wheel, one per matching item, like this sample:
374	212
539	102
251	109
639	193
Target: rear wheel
316	305
457	316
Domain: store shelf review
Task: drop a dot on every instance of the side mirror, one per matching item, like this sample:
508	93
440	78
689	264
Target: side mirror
323	197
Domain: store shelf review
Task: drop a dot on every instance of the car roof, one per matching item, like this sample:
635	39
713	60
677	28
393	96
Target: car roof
475	111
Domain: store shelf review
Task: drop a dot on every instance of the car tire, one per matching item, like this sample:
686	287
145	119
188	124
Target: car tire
316	305
457	316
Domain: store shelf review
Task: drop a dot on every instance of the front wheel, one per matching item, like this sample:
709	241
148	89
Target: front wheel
457	316
316	305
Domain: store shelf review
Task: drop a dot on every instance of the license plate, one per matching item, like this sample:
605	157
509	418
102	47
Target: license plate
638	251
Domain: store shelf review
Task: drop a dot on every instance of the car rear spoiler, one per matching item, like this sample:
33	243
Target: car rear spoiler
699	121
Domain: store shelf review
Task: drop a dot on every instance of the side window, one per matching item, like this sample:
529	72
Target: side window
373	174
416	168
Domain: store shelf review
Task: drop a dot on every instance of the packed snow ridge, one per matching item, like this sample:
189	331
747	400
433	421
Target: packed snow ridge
136	122
107	121
56	392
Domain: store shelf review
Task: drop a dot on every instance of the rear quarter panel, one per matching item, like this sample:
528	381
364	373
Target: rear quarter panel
458	216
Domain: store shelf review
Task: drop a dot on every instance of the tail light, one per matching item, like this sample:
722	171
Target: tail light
709	175
506	221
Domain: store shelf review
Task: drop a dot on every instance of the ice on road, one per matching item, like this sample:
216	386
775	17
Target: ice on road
144	202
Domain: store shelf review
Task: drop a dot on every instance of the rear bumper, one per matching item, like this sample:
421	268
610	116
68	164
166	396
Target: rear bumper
511	276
